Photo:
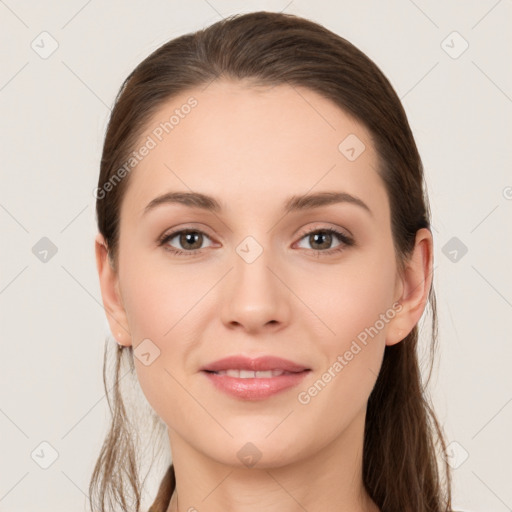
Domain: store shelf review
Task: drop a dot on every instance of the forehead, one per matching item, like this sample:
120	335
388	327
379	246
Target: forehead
240	142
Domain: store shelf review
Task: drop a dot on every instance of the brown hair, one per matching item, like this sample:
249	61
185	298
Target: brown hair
402	438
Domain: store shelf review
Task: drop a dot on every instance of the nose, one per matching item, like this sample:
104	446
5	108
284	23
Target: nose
255	297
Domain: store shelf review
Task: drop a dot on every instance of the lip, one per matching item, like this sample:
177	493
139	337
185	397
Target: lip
255	388
262	363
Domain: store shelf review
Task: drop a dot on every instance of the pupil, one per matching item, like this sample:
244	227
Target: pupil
321	234
188	238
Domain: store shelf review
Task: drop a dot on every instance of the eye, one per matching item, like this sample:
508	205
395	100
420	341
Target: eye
189	239
323	237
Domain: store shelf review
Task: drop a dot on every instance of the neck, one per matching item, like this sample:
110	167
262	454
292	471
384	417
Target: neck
330	479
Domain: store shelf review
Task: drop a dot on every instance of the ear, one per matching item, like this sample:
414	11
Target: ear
112	302
413	288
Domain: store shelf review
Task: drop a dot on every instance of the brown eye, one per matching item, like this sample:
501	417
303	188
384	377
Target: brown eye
187	240
320	240
190	239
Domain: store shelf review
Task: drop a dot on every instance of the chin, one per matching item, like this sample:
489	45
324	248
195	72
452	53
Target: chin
261	451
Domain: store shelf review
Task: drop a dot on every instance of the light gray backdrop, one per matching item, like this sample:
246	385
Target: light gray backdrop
61	66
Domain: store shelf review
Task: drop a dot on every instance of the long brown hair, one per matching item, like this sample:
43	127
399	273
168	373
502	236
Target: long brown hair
402	469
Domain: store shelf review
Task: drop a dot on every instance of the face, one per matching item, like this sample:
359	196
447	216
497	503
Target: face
253	278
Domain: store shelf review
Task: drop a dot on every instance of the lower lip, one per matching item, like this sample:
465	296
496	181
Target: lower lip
255	389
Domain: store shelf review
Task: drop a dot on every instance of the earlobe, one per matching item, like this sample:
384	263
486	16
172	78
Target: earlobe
415	283
109	285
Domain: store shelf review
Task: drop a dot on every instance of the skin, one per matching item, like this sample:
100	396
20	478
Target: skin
252	148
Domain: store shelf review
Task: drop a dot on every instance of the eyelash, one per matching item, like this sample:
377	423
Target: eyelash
345	240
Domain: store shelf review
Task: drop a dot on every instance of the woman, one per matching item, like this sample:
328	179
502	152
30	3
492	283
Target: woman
265	256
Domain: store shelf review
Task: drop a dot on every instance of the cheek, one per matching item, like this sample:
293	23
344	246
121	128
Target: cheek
163	306
352	354
349	297
355	305
160	299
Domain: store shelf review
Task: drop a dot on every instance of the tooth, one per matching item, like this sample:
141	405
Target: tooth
246	374
267	374
232	373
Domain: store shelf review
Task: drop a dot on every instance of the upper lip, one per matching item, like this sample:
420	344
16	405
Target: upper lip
239	362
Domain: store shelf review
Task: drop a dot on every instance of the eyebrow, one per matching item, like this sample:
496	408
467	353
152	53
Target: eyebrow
292	204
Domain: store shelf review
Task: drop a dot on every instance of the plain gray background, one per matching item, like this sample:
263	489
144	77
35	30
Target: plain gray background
54	110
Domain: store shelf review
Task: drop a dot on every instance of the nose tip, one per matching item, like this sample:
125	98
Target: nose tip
253	293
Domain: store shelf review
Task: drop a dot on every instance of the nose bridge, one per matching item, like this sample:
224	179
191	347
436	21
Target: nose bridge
253	296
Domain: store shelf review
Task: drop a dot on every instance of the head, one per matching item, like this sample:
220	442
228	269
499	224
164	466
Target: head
255	124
